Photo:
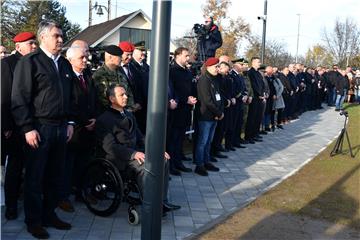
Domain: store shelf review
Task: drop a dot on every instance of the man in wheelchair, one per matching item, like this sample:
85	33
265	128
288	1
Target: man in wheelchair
120	141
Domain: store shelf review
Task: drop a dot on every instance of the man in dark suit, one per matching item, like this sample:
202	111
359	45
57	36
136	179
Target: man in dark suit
81	146
140	72
121	142
125	69
41	104
256	107
181	80
11	138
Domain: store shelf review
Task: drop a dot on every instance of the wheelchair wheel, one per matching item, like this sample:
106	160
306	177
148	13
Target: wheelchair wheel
102	188
133	216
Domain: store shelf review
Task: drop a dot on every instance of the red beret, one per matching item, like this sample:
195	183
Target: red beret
126	46
211	61
24	36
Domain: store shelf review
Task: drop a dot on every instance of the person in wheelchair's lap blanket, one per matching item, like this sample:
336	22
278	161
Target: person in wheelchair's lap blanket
121	142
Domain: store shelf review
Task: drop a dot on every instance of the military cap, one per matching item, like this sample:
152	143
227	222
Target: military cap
262	67
240	60
211	61
23	36
126	46
140	45
113	50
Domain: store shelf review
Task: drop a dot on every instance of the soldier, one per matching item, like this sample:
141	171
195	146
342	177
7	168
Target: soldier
11	138
109	74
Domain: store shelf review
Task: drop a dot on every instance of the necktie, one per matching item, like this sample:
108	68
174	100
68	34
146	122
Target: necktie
82	82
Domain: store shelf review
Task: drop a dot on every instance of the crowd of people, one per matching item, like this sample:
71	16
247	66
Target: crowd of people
57	114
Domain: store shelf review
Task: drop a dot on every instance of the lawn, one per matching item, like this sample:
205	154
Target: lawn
326	189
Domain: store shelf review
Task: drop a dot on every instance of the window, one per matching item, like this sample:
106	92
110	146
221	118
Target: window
134	35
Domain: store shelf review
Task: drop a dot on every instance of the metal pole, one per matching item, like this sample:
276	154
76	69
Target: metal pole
264	18
90	13
156	121
297	41
109	10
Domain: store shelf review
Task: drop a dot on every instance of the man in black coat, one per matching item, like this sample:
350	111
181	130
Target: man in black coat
256	107
209	41
12	140
140	73
181	81
41	103
121	142
81	146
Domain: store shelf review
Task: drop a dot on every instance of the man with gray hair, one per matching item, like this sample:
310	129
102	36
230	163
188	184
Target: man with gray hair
41	105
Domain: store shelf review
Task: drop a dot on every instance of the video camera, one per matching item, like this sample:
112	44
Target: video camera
199	29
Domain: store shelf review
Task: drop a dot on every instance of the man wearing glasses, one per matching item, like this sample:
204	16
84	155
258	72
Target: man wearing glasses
11	140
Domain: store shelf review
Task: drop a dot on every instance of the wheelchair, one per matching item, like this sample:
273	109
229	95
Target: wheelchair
104	188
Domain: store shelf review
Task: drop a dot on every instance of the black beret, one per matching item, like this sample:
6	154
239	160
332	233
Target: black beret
113	50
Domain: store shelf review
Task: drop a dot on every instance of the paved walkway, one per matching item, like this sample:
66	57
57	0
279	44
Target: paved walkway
205	201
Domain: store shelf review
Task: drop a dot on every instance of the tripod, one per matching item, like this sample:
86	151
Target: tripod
340	140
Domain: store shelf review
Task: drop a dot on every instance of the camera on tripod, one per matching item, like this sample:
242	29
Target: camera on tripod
200	30
345	113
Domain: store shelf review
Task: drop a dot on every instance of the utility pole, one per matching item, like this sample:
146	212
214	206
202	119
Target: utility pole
156	121
297	41
109	10
90	13
264	18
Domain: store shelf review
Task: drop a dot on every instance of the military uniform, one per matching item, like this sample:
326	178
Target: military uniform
103	78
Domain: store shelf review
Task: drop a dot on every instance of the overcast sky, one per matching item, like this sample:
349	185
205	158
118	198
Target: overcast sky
282	24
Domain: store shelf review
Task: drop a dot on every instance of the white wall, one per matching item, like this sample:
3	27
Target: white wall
138	22
114	38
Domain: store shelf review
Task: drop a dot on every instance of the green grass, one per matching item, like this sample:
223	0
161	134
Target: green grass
327	188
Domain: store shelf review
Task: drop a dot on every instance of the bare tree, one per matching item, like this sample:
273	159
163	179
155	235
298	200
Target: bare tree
276	53
343	42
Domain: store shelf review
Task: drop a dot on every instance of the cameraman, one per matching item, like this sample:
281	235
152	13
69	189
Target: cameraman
209	41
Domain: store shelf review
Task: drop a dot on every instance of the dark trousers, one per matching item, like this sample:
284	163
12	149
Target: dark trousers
44	172
13	148
135	171
254	118
238	119
177	136
229	131
216	142
279	117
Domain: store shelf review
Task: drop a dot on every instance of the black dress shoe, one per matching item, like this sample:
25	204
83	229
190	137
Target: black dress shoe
225	150
239	146
11	213
38	231
267	129
210	167
212	159
174	172
167	207
230	149
183	168
257	140
251	141
220	149
187	159
259	136
263	132
280	126
219	155
201	170
243	141
57	223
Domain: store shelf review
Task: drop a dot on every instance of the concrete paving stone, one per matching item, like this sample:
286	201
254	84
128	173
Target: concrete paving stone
183	221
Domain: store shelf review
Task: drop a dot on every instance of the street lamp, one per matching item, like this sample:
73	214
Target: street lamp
99	9
263	18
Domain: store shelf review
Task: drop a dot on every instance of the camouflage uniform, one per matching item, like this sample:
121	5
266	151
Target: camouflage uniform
103	78
250	94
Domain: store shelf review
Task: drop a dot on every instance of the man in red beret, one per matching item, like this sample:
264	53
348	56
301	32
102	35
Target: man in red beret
128	72
11	139
209	112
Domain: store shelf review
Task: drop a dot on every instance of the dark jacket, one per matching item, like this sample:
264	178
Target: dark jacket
118	137
257	82
141	80
85	108
181	81
285	81
7	73
209	100
210	42
41	92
